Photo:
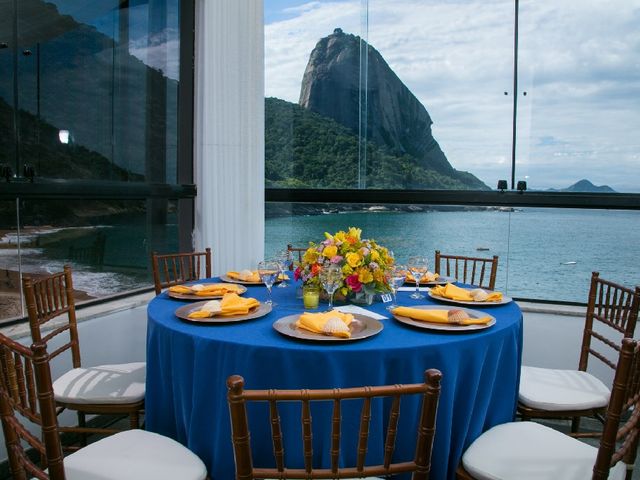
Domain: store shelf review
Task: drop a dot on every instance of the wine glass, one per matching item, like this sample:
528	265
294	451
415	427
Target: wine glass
396	275
331	278
418	267
268	271
284	262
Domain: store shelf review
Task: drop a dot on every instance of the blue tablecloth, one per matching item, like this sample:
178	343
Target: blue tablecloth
188	364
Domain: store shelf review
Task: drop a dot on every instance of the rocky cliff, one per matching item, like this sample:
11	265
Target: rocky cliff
395	118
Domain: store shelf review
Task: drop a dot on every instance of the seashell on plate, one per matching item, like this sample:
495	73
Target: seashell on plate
335	325
197	287
213	306
456	315
479	295
245	274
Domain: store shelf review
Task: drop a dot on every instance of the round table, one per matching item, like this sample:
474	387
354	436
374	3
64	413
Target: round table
188	364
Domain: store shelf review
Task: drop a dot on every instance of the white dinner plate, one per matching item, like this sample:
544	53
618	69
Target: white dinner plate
448	327
361	327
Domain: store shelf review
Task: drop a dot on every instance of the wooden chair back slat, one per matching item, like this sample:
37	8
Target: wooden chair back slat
177	268
620	442
429	390
48	298
363	440
336	422
612	306
307	435
392	431
276	435
27	371
472	270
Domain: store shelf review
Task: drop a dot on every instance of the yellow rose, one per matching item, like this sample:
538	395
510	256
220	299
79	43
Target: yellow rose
347	270
378	275
310	256
339	237
353	259
355	232
375	256
330	251
364	275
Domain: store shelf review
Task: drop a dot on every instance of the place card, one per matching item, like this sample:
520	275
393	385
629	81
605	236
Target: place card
359	310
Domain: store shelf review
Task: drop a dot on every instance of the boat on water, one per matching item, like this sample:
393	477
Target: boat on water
483	249
568	263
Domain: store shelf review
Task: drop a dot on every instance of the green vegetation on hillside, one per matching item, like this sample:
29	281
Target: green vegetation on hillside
306	150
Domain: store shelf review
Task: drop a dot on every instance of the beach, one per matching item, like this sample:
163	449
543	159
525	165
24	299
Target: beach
10	302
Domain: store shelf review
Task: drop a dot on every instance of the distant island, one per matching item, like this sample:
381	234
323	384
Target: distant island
584	186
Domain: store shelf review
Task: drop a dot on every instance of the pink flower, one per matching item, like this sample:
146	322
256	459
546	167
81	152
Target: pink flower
336	259
353	283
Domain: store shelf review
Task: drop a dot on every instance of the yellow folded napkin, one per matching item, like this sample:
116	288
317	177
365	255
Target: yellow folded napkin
206	289
426	278
329	323
230	305
245	276
462	294
440	316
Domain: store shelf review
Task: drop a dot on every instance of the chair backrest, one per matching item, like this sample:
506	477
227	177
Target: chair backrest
176	268
472	270
25	389
49	297
296	255
611	309
421	464
619	441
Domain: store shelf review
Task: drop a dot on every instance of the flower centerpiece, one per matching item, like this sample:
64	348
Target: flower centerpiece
363	263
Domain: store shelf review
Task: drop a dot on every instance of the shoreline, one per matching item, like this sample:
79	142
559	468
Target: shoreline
10	300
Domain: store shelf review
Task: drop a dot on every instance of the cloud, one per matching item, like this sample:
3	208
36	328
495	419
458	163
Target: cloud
578	65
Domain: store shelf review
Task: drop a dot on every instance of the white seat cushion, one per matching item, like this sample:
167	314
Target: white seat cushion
124	383
134	455
557	390
530	451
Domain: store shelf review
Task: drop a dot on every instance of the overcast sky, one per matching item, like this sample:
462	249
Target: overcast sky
579	66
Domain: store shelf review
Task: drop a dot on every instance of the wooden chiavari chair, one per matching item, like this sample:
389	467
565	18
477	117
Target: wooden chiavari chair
104	389
296	255
177	268
26	394
476	271
238	398
530	451
612	314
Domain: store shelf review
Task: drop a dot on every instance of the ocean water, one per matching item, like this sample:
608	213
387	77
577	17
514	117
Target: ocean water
544	253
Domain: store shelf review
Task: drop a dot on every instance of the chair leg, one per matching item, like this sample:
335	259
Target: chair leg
134	421
82	422
575	424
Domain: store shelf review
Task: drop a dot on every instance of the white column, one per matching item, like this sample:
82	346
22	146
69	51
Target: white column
229	132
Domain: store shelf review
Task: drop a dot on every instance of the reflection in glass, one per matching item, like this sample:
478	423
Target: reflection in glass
94	91
107	243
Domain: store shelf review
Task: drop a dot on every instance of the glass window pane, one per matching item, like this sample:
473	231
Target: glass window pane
96	89
553	251
579	107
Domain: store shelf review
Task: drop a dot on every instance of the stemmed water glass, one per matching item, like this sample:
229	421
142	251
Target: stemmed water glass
284	262
331	278
268	271
418	267
396	276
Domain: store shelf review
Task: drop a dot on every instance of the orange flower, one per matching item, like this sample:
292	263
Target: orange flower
315	268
